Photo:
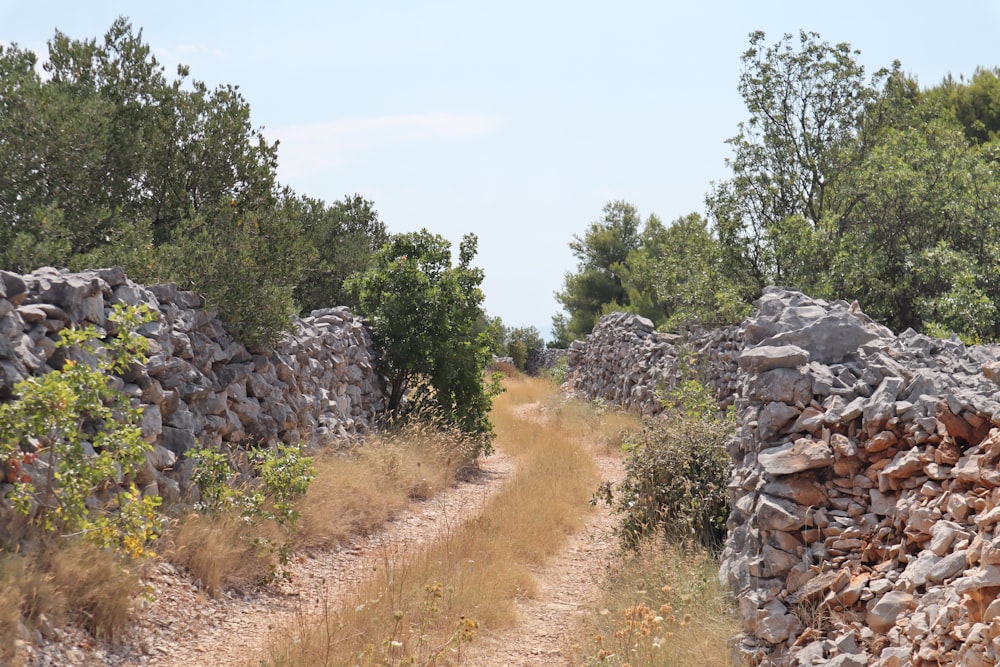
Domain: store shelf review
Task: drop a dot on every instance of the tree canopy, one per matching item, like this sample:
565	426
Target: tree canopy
843	185
425	316
107	160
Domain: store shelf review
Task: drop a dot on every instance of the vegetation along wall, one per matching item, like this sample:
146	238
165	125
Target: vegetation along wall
198	387
865	525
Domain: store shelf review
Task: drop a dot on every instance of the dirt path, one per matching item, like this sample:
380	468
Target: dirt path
569	585
181	627
184	628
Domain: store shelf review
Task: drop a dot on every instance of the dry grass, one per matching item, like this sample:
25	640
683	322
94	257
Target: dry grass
421	608
663	607
352	494
219	551
74	581
355	494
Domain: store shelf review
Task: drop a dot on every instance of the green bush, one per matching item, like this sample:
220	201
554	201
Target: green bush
676	472
281	477
83	439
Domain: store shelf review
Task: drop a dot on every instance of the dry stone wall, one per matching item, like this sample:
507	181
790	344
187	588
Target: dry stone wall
199	386
626	362
865	525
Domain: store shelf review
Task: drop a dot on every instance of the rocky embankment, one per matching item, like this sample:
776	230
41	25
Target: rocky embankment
199	387
866	495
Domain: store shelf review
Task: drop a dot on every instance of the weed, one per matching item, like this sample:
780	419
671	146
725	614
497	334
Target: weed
663	607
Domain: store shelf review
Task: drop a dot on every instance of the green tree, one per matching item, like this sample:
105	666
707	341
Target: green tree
683	276
522	341
344	235
807	101
602	254
423	313
107	161
868	190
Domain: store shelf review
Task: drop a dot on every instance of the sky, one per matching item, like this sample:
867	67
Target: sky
515	121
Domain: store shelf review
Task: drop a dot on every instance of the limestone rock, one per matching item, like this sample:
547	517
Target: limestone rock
803	454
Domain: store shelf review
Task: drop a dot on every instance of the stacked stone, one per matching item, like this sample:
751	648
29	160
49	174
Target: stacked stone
199	386
866	497
715	360
626	362
543	360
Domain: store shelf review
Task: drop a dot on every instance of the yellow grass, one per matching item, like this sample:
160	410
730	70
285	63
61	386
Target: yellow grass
422	608
72	581
663	607
352	494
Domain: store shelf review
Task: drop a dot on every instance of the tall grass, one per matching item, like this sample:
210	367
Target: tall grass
663	607
421	608
352	494
74	581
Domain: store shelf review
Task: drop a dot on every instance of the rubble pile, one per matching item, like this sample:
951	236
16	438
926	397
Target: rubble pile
866	497
865	526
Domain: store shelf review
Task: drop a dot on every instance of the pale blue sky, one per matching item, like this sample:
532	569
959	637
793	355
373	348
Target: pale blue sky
516	121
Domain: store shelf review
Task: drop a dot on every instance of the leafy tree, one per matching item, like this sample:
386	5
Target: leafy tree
807	101
423	313
868	190
345	235
683	276
521	341
108	161
602	253
246	264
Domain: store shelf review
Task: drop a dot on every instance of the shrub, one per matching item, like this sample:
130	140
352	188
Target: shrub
676	472
70	443
242	529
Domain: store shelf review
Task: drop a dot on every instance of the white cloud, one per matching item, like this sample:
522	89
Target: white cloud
308	147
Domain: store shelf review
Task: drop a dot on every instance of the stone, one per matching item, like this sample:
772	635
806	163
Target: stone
917	570
904	464
829	339
767	357
773	417
948	567
803	454
779	515
883	614
881	405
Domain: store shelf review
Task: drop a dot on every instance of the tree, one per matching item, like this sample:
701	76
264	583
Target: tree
684	276
108	162
875	191
345	235
807	104
423	313
602	253
521	342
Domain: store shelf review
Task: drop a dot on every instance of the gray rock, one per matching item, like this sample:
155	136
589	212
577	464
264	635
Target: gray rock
829	339
803	454
884	613
773	417
766	358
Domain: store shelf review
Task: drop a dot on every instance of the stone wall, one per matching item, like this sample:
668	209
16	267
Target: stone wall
866	496
199	386
626	362
865	525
